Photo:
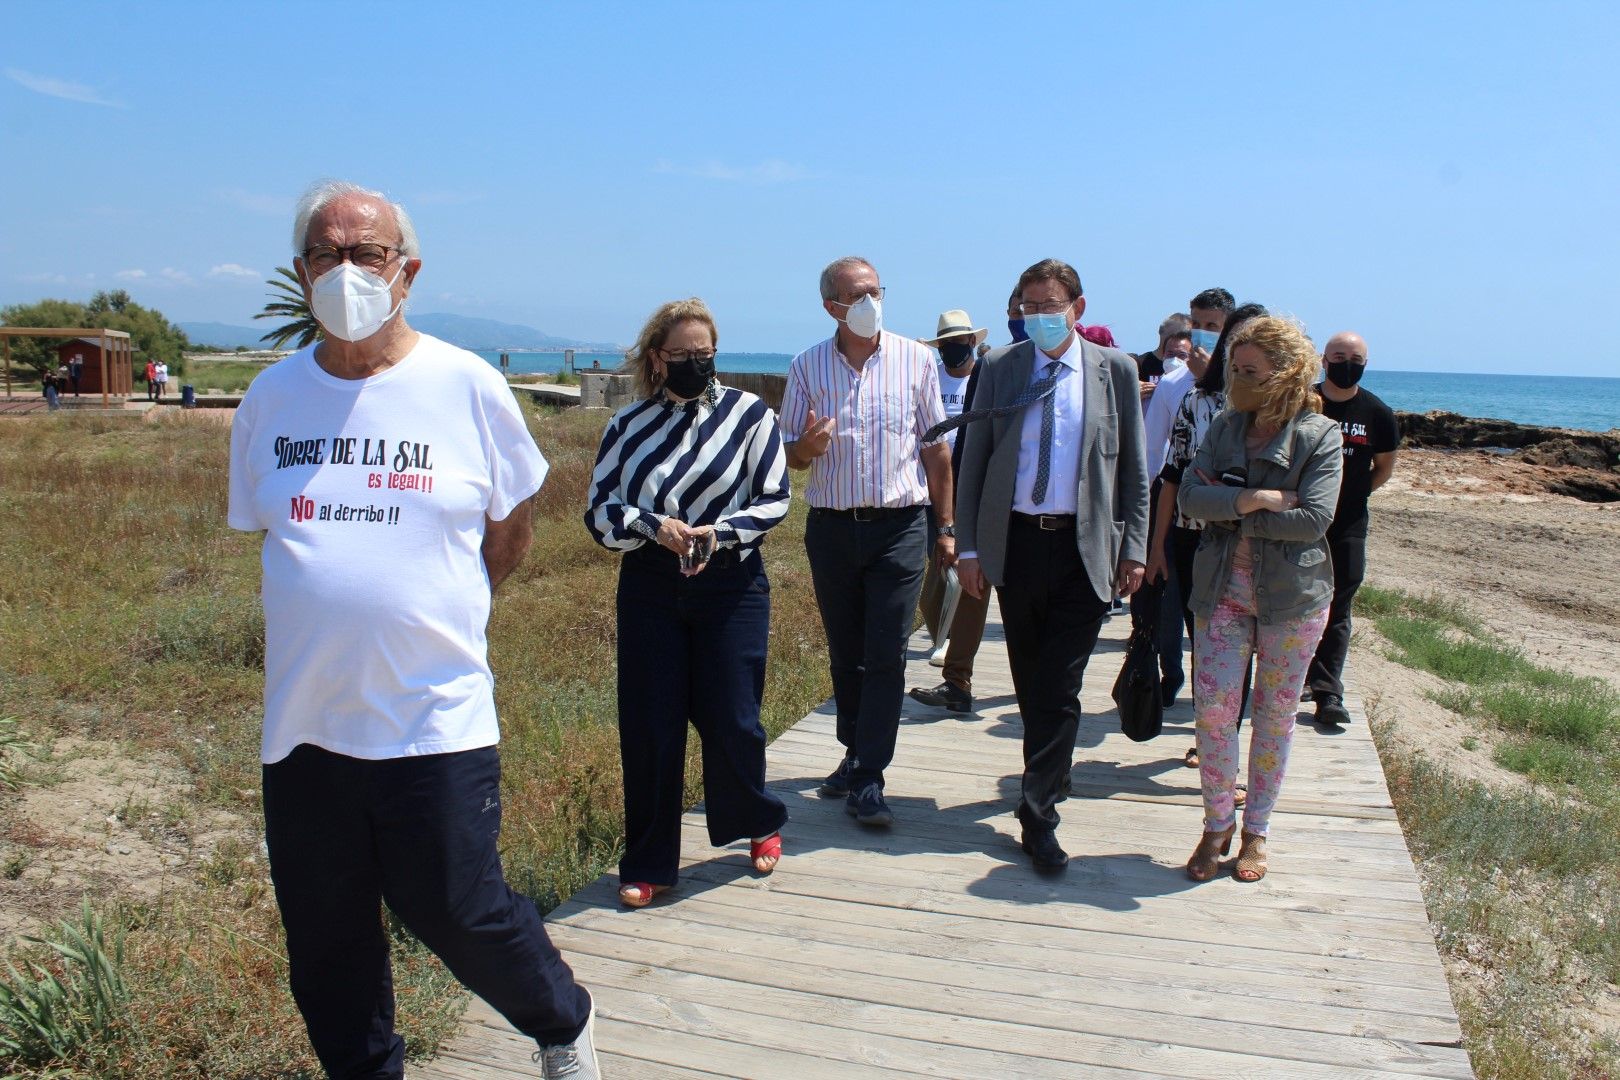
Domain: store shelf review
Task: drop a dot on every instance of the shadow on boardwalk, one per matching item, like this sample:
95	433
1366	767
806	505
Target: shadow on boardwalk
931	949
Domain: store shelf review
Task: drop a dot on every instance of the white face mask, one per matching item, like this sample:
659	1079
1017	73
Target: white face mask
352	303
865	317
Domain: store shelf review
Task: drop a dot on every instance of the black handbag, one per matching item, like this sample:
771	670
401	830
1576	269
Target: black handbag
1136	691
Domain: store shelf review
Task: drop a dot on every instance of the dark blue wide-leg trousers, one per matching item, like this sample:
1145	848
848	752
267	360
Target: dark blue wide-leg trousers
346	835
691	649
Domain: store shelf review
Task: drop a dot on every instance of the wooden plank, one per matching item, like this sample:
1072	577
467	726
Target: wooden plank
1074	1002
931	949
1206	970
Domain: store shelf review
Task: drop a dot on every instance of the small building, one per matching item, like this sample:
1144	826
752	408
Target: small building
120	377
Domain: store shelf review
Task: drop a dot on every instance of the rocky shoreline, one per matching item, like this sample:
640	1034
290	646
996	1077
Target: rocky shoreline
1581	464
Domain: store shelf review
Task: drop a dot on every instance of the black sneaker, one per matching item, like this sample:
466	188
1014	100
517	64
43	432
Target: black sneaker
868	808
836	786
1331	711
944	696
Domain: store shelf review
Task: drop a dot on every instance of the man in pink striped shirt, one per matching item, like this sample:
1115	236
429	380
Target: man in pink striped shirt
854	414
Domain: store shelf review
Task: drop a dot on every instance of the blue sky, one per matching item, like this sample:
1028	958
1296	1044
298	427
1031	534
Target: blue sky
1441	177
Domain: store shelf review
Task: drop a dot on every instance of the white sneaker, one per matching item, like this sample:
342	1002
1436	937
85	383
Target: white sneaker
575	1060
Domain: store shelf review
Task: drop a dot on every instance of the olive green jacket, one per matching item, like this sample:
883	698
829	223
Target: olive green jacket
1293	575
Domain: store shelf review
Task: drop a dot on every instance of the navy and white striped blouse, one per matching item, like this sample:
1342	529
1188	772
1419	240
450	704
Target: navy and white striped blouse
717	460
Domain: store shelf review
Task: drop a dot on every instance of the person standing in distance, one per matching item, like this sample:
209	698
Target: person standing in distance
1053	511
854	414
380	761
956	339
1372	437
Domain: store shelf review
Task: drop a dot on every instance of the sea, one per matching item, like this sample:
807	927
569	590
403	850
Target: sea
1569	401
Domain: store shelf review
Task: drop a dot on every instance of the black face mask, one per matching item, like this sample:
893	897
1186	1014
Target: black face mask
956	353
688	379
1344	374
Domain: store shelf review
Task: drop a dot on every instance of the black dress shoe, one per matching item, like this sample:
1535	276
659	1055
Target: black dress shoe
944	696
1042	847
1331	711
1169	687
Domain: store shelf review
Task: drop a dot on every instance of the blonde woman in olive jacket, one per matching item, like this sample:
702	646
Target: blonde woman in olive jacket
1266	482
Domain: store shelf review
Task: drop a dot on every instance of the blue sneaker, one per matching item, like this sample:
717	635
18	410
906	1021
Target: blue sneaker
836	786
868	808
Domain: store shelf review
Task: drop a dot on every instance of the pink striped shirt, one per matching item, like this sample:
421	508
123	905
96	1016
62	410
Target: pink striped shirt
880	414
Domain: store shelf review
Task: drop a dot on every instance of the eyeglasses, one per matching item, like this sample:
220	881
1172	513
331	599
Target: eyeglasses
323	257
876	294
1045	307
684	356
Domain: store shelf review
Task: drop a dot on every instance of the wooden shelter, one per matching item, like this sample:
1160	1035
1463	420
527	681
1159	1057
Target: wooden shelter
109	368
88	350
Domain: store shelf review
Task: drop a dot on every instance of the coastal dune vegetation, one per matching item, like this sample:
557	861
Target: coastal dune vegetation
1522	881
132	631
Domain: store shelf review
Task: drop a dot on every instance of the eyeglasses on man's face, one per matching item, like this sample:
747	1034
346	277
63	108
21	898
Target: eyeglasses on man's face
876	292
323	257
1045	307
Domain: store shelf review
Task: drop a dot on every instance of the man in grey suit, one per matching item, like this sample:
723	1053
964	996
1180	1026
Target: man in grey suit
1052	509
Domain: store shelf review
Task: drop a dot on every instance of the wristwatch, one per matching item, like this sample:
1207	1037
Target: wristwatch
947	530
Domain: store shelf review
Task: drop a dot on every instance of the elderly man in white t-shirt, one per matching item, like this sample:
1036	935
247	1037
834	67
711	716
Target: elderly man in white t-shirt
393	477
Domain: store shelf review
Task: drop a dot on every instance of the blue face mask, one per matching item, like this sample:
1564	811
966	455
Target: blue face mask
1205	339
1016	328
1047	331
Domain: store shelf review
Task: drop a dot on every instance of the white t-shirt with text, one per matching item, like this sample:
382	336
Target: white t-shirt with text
952	389
373	494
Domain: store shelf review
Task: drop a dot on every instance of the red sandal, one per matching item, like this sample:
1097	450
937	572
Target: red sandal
768	848
638	893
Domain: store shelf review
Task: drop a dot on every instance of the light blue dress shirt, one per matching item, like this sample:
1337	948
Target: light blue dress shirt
1068	427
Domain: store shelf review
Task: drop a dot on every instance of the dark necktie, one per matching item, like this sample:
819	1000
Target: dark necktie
1036	391
1043	463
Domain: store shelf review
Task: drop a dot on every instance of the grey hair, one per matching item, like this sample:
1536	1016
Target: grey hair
1175	326
323	193
829	276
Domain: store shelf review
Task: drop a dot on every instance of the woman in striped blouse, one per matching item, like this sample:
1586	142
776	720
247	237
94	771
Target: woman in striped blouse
687	482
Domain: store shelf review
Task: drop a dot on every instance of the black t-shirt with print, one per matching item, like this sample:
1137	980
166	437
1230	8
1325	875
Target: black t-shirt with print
1369	427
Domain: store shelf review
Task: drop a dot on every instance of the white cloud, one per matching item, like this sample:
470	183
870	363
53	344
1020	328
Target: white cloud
772	171
130	275
255	203
45	279
179	277
232	270
61	88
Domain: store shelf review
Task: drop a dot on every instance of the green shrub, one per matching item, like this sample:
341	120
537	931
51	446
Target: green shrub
49	1016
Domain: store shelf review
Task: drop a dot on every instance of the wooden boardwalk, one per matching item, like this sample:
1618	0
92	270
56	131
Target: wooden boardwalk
932	949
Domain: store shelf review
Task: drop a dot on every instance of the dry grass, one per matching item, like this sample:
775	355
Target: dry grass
1522	884
129	612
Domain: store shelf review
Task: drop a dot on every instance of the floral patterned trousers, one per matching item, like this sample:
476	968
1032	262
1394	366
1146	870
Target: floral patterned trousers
1221	650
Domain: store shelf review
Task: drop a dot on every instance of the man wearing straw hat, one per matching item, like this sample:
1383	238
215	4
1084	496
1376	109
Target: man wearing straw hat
956	340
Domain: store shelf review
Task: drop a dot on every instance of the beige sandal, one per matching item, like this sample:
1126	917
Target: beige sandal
1251	860
1206	857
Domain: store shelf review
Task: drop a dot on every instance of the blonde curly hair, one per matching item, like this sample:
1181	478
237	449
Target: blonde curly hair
637	362
1294	364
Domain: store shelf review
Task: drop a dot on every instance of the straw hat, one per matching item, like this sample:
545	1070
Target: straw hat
955	324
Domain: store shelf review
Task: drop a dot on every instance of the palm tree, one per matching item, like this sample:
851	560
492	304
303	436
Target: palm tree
287	301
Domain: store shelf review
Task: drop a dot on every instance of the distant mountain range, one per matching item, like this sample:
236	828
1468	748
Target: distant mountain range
479	335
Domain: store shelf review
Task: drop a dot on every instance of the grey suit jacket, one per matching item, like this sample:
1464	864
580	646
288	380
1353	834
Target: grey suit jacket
1113	496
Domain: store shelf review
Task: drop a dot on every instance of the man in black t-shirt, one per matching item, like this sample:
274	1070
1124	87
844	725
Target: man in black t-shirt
1371	437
